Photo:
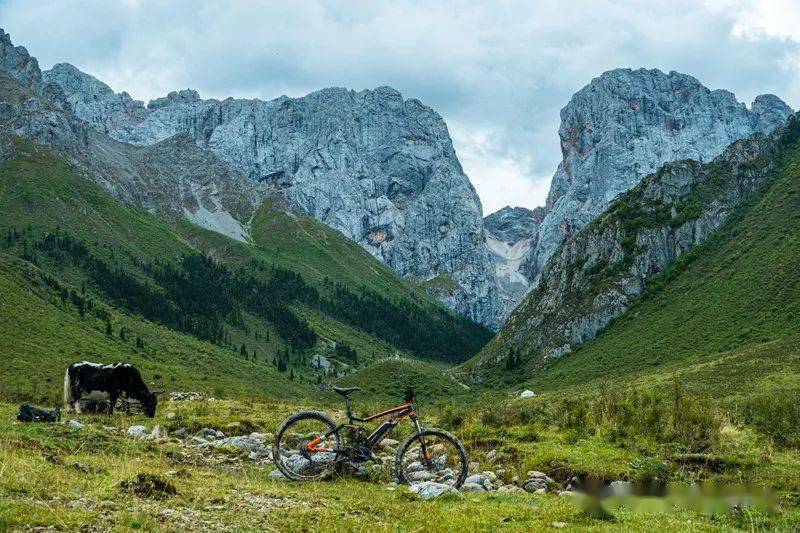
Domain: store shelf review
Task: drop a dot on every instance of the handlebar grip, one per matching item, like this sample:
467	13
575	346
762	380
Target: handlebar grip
410	395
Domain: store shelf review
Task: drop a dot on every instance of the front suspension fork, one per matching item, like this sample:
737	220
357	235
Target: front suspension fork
426	455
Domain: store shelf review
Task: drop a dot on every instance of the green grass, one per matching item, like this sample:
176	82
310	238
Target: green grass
41	337
70	479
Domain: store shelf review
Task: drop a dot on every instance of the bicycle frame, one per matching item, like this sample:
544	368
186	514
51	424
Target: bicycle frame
407	410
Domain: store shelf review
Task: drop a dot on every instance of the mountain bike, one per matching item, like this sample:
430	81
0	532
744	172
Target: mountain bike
309	445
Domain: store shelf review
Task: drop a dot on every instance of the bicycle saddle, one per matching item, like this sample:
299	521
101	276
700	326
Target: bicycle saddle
344	391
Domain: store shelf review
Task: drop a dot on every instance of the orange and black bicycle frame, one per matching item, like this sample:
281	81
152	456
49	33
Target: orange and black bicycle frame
406	410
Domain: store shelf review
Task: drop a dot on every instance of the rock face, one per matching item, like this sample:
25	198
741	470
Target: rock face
626	124
379	168
598	274
17	64
510	232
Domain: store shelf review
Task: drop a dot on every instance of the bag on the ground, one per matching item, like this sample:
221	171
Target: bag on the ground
29	413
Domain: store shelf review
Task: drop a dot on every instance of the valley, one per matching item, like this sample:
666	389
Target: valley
248	255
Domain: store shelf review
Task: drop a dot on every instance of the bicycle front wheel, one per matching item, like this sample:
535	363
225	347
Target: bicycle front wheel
305	447
433	455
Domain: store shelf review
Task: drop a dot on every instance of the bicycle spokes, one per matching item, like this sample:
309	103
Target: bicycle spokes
431	459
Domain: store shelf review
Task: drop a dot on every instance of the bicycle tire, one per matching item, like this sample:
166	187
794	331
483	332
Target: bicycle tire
279	436
433	432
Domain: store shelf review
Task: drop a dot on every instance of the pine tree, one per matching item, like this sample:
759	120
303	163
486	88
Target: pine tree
109	331
243	351
291	375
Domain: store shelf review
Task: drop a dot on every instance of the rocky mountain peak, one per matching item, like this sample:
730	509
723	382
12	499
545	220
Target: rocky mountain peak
377	167
17	64
624	125
512	224
185	96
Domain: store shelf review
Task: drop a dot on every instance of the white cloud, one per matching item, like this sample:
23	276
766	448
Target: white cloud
497	71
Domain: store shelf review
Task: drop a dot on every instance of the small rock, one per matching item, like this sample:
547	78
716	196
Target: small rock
527	394
277	474
515	480
566	493
472	487
491	455
197	441
75	424
179	433
170	415
167	512
478	479
559	525
137	432
510	489
621	488
428	490
158	433
491	476
473	466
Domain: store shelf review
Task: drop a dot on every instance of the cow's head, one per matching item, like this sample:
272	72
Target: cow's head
150	402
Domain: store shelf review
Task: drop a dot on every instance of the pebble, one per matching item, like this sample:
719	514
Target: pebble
75	424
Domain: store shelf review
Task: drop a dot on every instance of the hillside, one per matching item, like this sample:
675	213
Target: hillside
723	317
300	290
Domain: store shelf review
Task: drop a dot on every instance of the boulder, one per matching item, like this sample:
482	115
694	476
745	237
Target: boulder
527	394
75	424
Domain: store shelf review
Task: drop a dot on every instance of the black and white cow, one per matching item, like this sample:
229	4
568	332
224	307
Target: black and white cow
106	382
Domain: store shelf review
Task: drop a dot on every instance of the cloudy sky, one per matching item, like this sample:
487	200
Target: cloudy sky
497	71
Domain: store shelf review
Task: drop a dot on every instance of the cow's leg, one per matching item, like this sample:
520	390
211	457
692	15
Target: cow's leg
112	399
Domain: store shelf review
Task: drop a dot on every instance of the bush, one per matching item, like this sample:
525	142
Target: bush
776	415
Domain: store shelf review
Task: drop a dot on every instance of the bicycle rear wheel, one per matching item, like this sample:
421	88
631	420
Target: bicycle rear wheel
301	451
433	455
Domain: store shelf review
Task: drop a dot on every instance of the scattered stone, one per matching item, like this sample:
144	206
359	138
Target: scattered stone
212	434
515	480
491	476
137	432
158	433
566	493
473	466
559	525
183	396
75	424
428	490
197	441
527	394
171	415
537	482
491	455
179	433
510	489
242	442
167	512
260	437
277	474
621	488
472	487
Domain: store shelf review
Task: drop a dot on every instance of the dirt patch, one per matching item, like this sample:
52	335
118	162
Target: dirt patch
149	486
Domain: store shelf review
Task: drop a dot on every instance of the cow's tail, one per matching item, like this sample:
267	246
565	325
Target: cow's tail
68	399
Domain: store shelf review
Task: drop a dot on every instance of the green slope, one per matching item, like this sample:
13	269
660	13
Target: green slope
41	194
724	316
42	335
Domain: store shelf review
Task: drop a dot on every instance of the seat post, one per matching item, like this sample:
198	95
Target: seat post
347	406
